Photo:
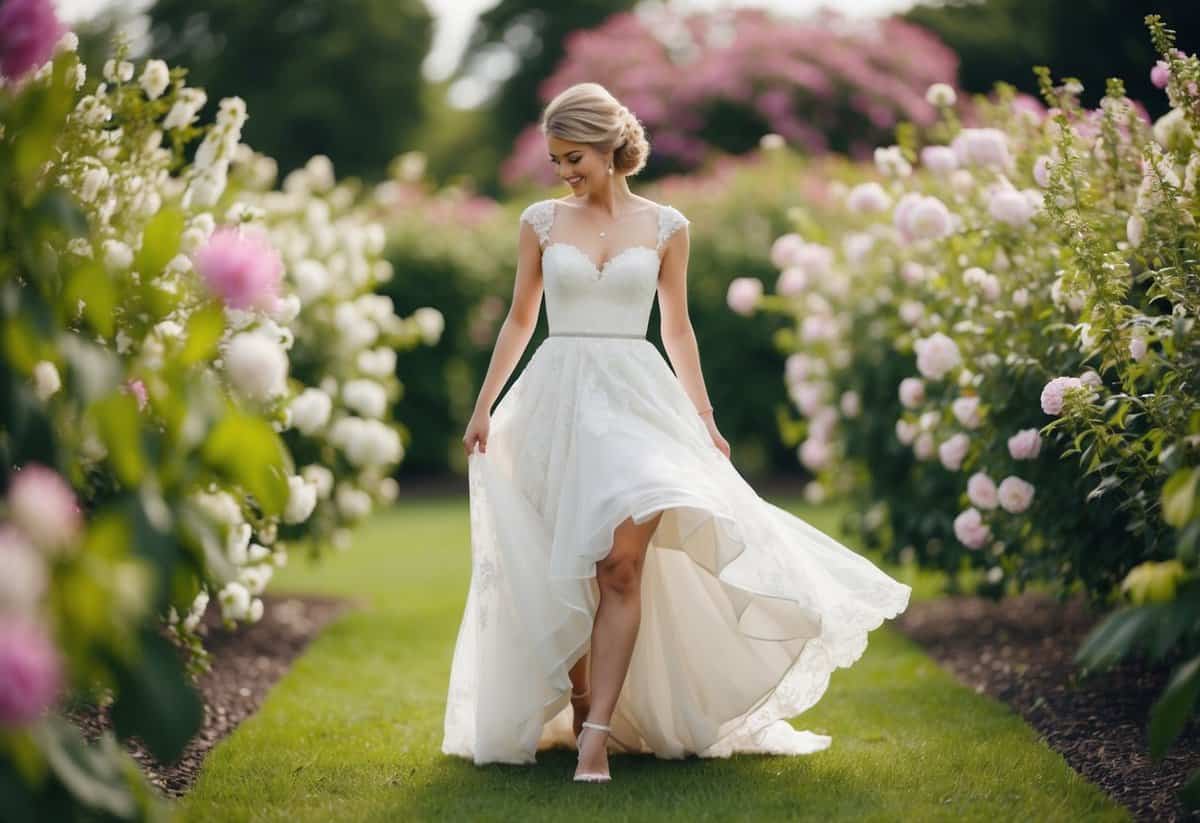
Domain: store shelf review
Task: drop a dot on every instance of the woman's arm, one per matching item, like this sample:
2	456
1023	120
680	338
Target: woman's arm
520	322
678	336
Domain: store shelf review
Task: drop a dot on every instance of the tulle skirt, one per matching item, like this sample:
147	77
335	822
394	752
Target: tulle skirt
746	608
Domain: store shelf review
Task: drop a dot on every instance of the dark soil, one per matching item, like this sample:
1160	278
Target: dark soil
1019	651
246	663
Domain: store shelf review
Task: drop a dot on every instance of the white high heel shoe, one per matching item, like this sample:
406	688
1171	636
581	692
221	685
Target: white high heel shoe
591	777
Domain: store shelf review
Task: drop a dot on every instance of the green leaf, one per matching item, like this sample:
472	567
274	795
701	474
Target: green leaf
1179	496
1115	637
160	242
89	283
203	332
246	450
95	775
1189	795
1171	711
155	700
119	425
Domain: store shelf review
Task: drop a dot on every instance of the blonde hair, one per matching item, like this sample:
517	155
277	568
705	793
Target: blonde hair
588	113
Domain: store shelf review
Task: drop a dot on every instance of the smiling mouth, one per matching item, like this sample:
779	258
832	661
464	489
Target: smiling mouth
574	180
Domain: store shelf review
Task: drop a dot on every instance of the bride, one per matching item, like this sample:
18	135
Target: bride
630	592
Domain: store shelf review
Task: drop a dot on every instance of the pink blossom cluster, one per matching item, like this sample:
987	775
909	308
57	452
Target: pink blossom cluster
241	267
813	82
29	30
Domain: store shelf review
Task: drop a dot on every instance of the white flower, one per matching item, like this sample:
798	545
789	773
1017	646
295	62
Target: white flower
312	279
117	256
891	162
46	380
868	198
906	432
1041	170
1052	393
196	612
814	492
1015	494
936	355
302	499
940	94
366	397
366	442
1073	300
1138	347
1011	207
1135	229
912	392
154	79
970	529
1025	444
237	543
351	502
430	323
743	294
952	451
986	147
257	365
255	578
981	490
912	273
235	601
783	250
966	411
320	477
379	362
921	217
923	446
911	312
984	282
310	410
1092	378
220	505
94	179
187	104
1021	297
939	159
24	580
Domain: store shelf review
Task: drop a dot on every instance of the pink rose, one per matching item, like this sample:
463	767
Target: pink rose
906	432
815	453
1041	170
743	294
242	267
923	446
936	355
138	389
29	30
966	411
982	147
953	450
30	673
42	504
1011	207
912	392
792	281
970	529
939	159
1015	494
784	249
1025	444
868	198
1052	394
982	491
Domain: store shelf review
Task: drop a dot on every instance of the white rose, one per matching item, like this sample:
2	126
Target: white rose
117	256
912	392
235	601
966	411
46	380
940	94
366	397
310	410
320	477
936	355
430	323
257	365
352	503
154	79
302	499
1015	494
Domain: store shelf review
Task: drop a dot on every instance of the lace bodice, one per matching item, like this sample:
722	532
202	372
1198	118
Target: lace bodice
613	298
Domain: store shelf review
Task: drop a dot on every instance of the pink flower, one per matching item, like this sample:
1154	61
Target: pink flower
936	355
815	453
953	450
1138	348
42	504
784	250
138	389
1025	444
912	392
1015	494
1041	170
923	446
242	267
966	411
1011	207
868	198
1052	393
792	281
982	491
970	529
29	30
920	217
1160	74
743	294
30	673
982	147
906	432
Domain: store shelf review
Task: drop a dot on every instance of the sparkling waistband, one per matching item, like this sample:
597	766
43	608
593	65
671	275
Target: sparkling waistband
595	334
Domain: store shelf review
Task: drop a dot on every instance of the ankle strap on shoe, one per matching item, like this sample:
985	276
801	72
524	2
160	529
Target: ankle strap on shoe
589	724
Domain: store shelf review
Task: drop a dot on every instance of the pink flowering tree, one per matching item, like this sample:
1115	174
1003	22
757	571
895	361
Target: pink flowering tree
704	82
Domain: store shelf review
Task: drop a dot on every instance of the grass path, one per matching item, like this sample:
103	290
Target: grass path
353	731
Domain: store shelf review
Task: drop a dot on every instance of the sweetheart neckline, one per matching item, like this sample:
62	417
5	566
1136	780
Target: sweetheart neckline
601	269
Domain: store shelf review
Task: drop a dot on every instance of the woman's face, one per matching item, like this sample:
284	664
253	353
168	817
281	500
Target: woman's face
578	164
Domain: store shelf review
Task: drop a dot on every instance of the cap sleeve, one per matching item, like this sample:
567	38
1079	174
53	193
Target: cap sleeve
540	215
670	221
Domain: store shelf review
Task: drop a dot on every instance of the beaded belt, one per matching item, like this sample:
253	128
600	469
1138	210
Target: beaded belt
594	334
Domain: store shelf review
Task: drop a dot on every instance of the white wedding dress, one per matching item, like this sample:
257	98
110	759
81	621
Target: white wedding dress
746	608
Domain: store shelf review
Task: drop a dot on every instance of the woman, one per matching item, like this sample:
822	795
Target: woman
630	591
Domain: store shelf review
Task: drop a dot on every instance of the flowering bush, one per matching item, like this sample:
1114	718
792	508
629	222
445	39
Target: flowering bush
1004	298
149	366
705	81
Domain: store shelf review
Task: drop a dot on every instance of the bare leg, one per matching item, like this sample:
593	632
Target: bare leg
579	685
614	631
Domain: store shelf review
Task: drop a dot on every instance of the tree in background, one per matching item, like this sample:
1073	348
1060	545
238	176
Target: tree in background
319	77
998	40
717	82
531	35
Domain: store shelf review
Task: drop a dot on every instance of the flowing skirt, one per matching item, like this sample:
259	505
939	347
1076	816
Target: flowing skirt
746	608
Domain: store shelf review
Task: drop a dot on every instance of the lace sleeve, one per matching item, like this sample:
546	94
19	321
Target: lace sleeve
670	222
540	215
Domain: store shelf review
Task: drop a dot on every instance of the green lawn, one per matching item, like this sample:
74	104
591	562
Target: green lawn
353	731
